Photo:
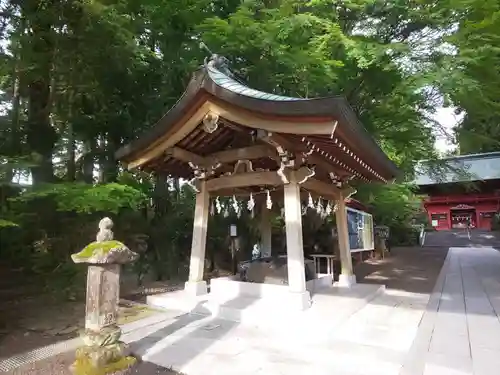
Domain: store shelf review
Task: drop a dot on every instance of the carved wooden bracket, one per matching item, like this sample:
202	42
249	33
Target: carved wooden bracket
210	122
304	174
339	181
195	184
336	180
243	166
286	161
201	173
348	193
287	158
304	156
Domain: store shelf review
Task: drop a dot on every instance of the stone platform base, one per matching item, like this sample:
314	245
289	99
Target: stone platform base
196	288
102	360
346	281
327	306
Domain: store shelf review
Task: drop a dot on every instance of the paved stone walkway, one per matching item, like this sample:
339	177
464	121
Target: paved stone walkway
460	331
373	341
454	332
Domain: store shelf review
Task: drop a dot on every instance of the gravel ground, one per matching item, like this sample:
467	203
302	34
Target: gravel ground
29	319
59	365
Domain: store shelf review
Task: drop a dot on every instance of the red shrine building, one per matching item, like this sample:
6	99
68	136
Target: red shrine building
461	191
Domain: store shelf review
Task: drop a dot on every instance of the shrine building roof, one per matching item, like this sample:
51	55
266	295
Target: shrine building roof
236	87
218	113
459	169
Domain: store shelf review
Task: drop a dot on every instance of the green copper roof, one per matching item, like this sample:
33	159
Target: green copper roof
231	84
462	168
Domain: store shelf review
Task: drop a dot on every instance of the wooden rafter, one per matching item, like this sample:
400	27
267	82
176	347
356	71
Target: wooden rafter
187	156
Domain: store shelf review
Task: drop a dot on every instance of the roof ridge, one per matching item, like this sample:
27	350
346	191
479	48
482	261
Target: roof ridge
219	73
467	156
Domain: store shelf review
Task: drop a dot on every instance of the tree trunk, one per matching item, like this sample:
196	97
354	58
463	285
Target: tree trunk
108	164
101	146
71	162
160	197
88	161
38	52
177	187
15	141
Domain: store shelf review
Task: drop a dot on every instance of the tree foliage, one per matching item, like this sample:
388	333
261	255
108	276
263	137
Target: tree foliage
316	49
85	198
472	76
80	78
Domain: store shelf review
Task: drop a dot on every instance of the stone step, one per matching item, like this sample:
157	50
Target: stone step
178	300
330	308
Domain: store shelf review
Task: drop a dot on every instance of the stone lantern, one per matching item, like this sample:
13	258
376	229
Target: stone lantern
103	352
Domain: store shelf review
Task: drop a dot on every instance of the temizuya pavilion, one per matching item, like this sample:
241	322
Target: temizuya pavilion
229	139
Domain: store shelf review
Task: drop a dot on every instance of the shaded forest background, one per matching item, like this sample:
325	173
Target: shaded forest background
79	78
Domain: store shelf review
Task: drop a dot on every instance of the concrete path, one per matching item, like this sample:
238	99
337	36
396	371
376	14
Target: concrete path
373	341
460	331
454	332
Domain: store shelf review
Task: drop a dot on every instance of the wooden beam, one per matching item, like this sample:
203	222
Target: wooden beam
246	153
249	119
223	157
324	189
237	192
243	180
259	197
303	174
187	156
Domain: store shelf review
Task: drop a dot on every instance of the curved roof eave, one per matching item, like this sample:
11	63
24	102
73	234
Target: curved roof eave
230	90
214	82
172	116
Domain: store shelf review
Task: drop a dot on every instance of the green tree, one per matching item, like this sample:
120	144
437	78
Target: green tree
355	48
472	77
80	78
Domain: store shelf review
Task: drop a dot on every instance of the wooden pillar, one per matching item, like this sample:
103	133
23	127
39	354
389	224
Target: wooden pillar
346	277
265	231
301	298
196	285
